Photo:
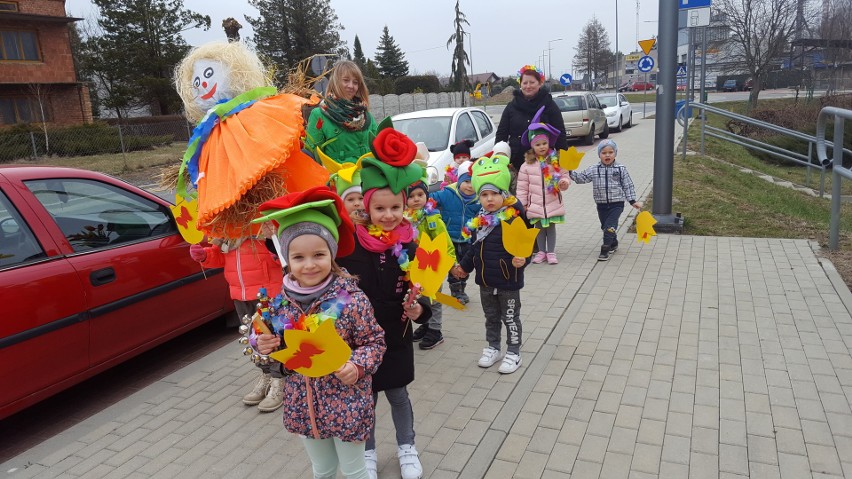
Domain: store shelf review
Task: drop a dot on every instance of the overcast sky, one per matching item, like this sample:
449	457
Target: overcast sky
505	34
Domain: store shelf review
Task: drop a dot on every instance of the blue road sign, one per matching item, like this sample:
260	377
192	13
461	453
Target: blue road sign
684	4
566	79
645	64
681	71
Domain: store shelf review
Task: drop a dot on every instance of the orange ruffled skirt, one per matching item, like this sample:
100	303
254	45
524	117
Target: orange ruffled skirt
263	139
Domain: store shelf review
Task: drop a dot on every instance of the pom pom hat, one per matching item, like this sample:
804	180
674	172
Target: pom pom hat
461	148
316	211
393	166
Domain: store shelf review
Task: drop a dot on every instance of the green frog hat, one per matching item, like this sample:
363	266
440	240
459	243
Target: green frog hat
493	170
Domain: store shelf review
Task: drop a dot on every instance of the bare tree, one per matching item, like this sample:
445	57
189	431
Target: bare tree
836	29
41	92
761	31
592	53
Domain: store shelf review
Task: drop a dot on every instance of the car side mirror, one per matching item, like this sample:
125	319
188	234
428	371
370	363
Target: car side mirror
624	103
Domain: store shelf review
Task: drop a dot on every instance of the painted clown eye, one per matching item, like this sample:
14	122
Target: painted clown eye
208	72
197	82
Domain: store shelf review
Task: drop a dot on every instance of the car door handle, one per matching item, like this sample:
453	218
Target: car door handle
101	277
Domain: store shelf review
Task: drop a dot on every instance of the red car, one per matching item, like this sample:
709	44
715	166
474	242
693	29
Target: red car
93	272
641	86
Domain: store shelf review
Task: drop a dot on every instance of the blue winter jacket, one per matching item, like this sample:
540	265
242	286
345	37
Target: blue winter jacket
455	211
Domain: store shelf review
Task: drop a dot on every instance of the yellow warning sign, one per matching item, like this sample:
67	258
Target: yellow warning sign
647	45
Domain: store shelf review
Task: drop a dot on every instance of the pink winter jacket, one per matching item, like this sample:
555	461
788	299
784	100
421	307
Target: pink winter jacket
532	194
247	268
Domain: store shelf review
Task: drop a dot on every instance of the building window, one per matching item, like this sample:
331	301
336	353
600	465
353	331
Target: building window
23	110
8	6
19	45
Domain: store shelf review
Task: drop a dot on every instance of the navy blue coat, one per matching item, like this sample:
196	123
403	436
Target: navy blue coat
493	264
455	211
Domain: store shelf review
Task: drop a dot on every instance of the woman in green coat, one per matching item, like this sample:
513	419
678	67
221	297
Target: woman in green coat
342	124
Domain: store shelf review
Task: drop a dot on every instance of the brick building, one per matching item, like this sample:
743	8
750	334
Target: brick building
38	81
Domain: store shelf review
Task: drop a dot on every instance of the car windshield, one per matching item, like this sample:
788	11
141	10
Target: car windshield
607	100
433	130
569	103
730	82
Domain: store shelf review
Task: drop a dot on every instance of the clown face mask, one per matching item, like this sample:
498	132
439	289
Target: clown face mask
493	171
210	83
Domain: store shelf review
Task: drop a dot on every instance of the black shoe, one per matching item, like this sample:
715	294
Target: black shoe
419	333
463	298
613	248
604	253
433	338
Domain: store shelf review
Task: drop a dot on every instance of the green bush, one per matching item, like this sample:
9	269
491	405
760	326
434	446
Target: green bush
79	140
423	83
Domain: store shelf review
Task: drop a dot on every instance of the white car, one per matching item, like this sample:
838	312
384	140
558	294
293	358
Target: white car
617	109
440	128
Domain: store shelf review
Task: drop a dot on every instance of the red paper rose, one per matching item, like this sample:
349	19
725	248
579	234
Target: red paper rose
394	148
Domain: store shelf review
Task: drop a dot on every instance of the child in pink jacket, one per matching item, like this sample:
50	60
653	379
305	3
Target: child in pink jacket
249	266
540	186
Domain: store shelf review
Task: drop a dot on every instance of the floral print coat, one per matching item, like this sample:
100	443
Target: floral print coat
338	410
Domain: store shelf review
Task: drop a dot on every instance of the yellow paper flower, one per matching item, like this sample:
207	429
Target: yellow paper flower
314	354
518	240
645	227
570	159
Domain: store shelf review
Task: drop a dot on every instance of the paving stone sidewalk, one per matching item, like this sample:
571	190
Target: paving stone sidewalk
686	357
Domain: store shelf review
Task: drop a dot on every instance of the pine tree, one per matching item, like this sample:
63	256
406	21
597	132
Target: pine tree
389	58
458	72
136	50
592	53
288	31
358	54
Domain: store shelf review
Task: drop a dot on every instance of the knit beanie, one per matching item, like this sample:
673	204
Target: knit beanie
464	172
288	234
461	148
604	143
417	185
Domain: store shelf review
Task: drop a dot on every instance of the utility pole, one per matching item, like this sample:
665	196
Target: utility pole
549	68
615	73
665	123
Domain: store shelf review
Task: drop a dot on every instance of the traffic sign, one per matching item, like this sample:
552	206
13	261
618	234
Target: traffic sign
647	45
684	4
645	64
681	71
698	17
566	79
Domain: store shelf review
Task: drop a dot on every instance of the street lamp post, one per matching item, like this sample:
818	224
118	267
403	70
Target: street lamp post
617	79
549	68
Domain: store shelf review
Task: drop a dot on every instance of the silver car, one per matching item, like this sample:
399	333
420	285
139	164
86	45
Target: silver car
583	116
440	128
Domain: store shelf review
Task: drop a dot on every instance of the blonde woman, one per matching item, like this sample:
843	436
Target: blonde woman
342	125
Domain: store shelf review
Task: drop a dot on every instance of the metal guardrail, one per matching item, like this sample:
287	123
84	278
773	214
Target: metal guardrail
776	151
838	172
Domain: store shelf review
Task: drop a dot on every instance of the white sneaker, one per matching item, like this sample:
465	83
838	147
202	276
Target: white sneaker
511	363
372	462
409	462
274	398
257	393
489	357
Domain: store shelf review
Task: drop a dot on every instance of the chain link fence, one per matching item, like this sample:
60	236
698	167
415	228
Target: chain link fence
86	140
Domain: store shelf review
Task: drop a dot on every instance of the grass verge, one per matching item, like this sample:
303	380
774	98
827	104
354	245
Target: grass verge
134	162
742	156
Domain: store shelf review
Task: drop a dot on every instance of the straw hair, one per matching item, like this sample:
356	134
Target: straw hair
245	72
335	81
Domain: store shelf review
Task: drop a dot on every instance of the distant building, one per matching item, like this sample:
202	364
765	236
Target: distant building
38	82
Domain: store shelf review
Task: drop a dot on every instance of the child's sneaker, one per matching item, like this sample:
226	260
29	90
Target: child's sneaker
511	363
274	398
257	394
419	333
489	357
432	338
551	258
604	253
613	247
372	462
409	462
539	257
